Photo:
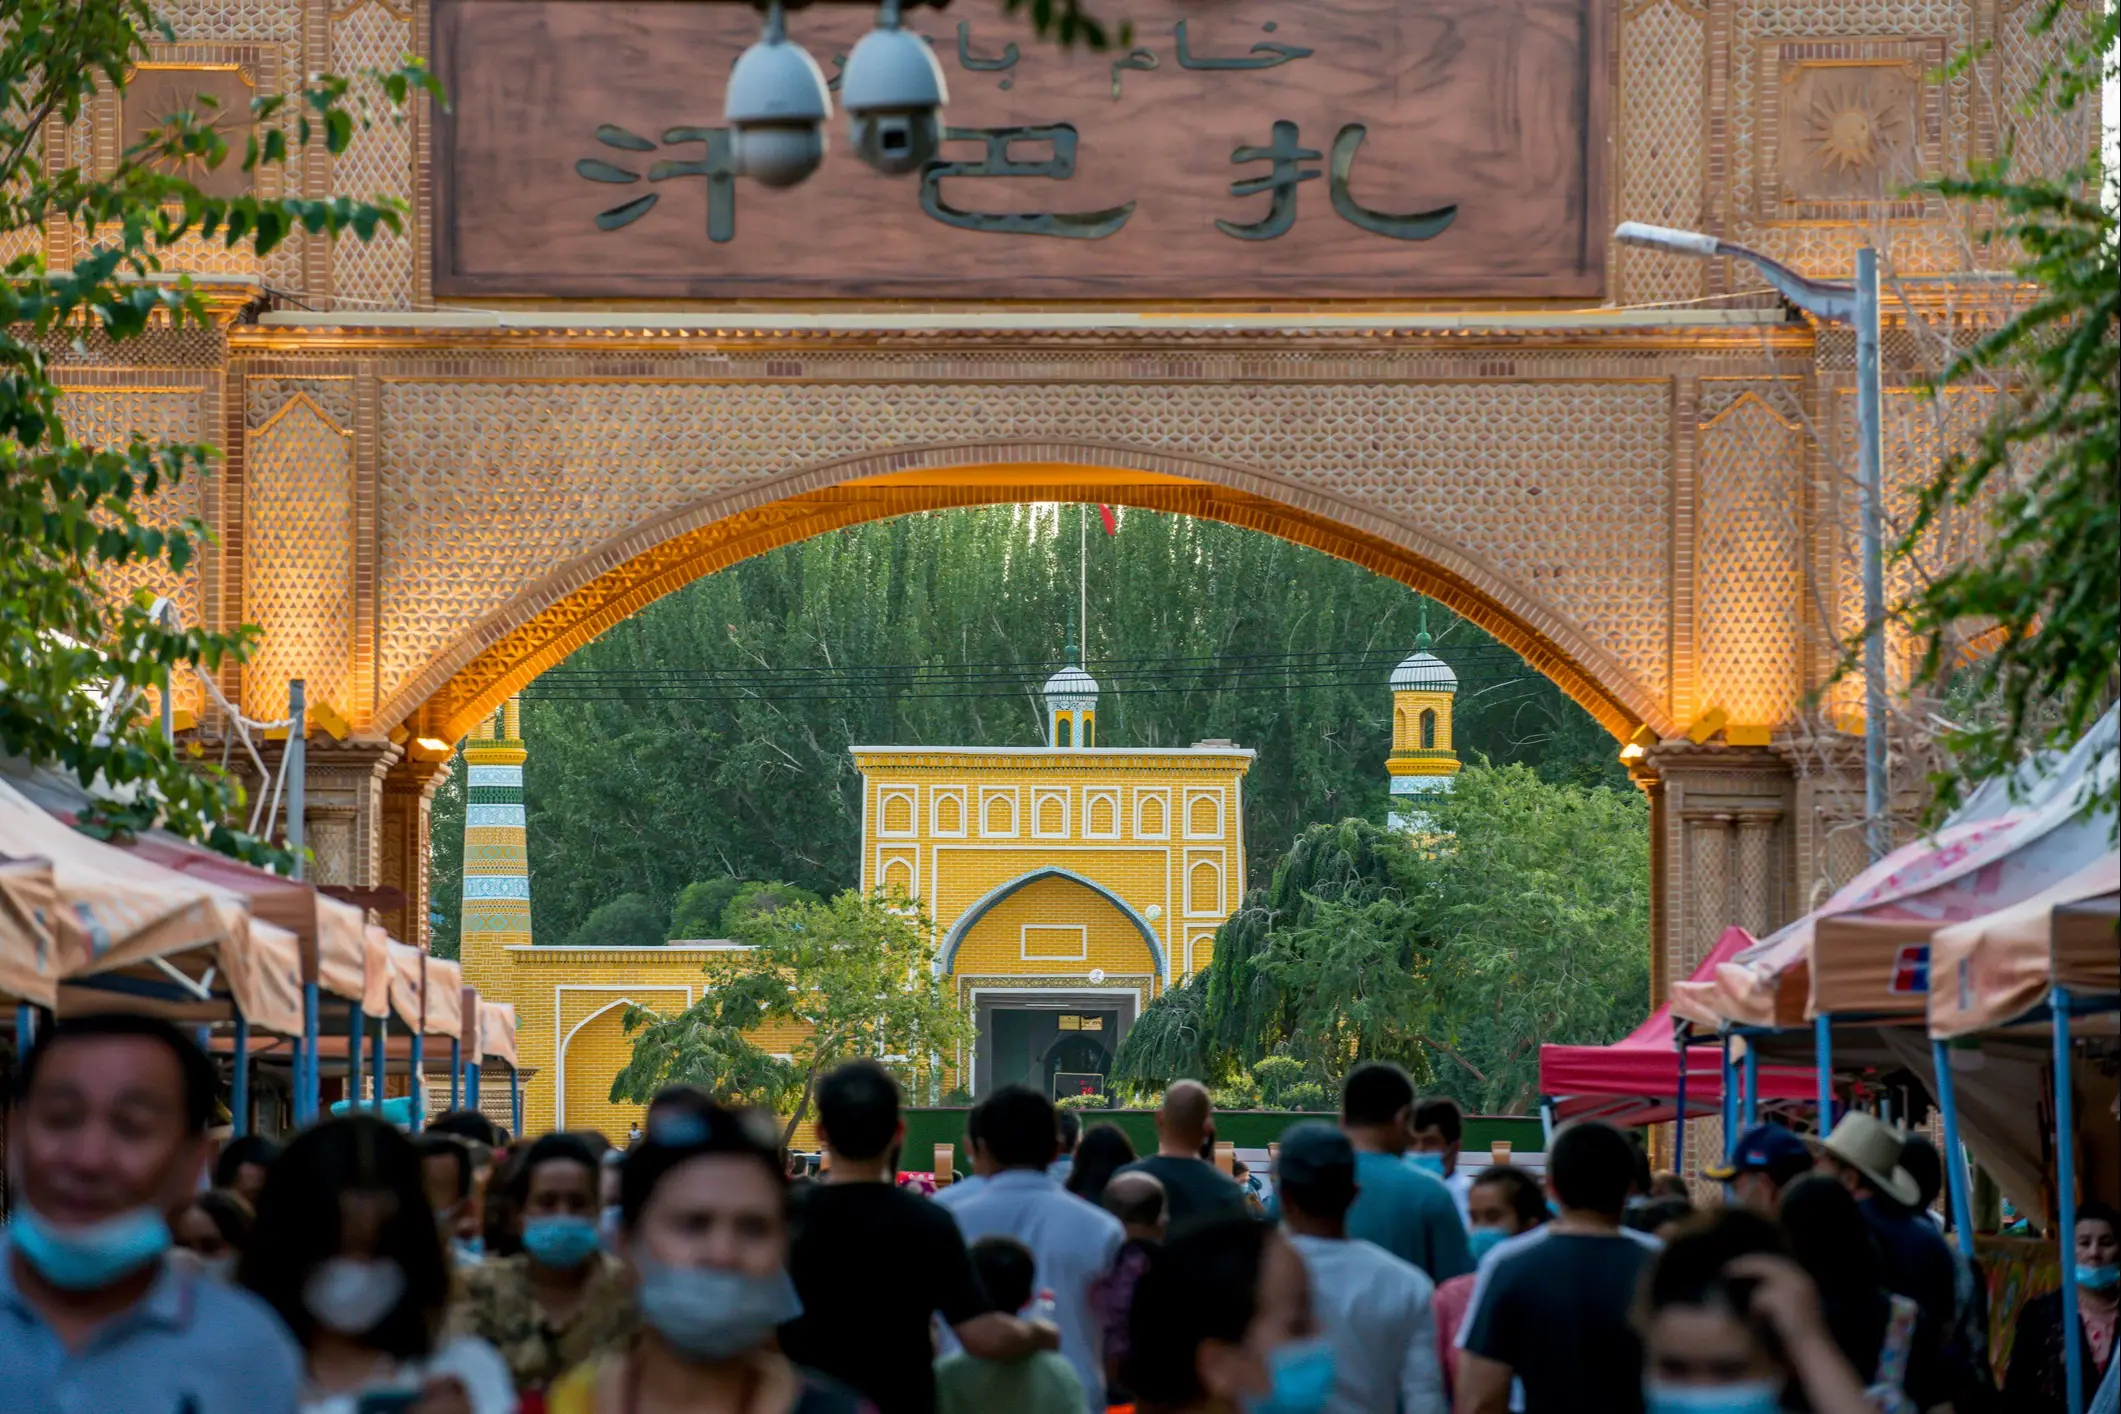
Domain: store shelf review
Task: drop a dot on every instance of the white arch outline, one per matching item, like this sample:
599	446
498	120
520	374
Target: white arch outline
955	937
559	1060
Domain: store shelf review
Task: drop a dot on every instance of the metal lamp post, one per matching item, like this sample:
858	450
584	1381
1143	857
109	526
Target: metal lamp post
1857	305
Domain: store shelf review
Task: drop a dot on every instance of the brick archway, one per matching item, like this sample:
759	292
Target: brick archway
559	611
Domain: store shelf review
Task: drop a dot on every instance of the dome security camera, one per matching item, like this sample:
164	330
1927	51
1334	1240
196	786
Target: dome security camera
777	108
893	92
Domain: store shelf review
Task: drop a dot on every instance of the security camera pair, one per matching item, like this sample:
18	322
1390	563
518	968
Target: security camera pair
777	105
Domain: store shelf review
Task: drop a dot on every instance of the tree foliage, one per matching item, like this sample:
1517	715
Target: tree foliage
73	513
852	976
651	789
1518	921
628	921
2038	606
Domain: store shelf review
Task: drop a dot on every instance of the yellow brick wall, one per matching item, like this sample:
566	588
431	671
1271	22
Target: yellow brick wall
1066	928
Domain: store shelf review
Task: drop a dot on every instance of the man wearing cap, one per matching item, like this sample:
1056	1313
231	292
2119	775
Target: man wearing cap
1766	1160
1374	1307
1863	1152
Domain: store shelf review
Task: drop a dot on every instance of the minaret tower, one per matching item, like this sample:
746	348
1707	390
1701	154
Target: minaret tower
1071	706
496	847
1422	761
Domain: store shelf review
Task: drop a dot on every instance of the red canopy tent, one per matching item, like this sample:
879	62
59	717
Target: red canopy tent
1636	1079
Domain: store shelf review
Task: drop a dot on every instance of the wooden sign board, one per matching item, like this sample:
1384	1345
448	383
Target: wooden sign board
1239	150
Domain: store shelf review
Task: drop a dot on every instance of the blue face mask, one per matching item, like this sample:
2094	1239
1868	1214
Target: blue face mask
2098	1278
1484	1240
1427	1163
1302	1372
1749	1397
561	1242
85	1258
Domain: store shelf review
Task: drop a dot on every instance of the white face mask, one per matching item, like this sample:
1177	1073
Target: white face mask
352	1295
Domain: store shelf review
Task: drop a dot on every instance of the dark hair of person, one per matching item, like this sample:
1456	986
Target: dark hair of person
594	1140
1071	1129
1374	1093
233	1218
1006	1269
1098	1155
467	1124
1830	1239
549	1149
1520	1190
1591	1167
1690	1271
1021	1131
456	1150
680	1135
1146	1209
976	1121
858	1107
245	1149
196	1073
1201	1285
1327	1196
1650	1216
1926	1166
1441	1114
1641	1178
298	1229
500	1209
2097	1212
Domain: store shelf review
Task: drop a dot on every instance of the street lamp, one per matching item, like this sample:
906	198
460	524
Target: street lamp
1855	305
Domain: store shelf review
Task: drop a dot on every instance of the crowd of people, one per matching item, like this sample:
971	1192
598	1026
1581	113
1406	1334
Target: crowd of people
361	1270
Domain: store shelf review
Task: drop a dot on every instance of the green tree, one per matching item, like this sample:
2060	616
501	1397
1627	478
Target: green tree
853	974
754	904
73	514
2037	607
697	910
628	921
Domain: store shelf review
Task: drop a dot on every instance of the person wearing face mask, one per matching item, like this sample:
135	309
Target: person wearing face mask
1436	1131
704	1229
107	1137
1730	1326
1375	1309
347	1251
2034	1382
446	1170
1402	1208
1503	1202
1222	1324
561	1299
213	1229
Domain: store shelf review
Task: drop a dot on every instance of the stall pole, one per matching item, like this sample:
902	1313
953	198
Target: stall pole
413	1087
356	1036
2066	1191
306	1068
515	1107
25	1026
239	1084
379	1056
1752	1084
1730	1100
471	1084
1954	1156
1679	1110
1823	1057
456	1072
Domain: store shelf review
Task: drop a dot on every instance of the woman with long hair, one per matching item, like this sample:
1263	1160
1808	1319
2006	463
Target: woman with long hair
1098	1154
347	1252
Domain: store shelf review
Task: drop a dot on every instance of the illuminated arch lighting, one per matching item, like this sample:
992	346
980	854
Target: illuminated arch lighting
955	938
556	614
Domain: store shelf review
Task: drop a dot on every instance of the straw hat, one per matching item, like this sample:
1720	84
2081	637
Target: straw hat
1872	1147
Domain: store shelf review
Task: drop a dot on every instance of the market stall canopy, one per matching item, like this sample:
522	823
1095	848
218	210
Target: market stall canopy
1865	950
1988	973
444	988
408	984
29	954
375	970
497	1031
1636	1079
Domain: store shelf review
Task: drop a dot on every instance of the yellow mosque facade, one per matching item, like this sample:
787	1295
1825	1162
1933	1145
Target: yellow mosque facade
1069	884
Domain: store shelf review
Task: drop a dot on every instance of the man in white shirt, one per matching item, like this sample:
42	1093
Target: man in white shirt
1374	1307
1072	1242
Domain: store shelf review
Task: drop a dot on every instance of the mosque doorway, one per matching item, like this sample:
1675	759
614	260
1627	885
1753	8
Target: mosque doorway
1057	1043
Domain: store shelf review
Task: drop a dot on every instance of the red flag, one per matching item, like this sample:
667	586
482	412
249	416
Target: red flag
1104	513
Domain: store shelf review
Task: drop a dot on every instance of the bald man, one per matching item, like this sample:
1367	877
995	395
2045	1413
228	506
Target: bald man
1194	1189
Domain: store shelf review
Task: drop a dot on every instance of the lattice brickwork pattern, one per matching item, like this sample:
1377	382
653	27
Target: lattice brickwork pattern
375	274
1749	572
299	559
484	487
1663	76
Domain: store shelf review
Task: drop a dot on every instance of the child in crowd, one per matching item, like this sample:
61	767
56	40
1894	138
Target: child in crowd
1044	1383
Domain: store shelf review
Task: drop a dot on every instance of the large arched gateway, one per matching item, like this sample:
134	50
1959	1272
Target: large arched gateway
457	453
